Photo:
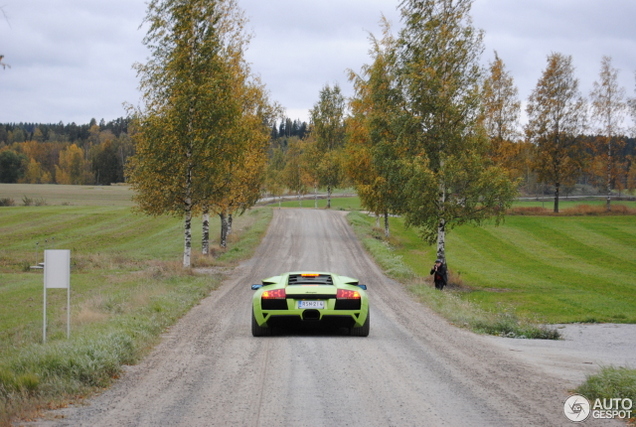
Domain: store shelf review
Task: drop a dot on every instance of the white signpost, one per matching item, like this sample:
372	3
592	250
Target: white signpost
57	274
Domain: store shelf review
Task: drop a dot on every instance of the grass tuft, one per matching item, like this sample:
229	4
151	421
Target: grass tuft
611	383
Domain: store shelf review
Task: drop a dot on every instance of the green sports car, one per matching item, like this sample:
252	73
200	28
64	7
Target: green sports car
310	298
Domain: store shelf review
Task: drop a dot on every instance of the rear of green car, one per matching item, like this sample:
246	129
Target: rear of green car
310	299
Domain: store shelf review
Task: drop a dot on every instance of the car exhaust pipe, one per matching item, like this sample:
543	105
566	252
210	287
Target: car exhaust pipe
311	315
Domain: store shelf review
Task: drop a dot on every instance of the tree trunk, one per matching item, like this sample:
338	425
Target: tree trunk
223	239
187	250
441	225
315	196
205	240
556	197
230	221
609	174
441	240
329	197
387	233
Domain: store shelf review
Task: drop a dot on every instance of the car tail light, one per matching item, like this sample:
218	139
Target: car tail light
274	294
347	294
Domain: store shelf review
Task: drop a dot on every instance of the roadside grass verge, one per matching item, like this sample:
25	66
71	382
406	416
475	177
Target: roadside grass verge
611	383
463	313
127	287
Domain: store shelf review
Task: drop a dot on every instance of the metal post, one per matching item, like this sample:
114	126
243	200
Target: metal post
68	312
44	324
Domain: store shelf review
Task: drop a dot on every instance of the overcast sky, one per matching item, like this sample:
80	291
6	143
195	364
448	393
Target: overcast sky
71	60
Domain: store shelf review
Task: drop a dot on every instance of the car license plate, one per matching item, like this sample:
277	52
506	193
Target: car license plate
311	304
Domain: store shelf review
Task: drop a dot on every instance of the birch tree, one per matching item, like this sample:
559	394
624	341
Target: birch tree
608	107
328	131
372	130
244	173
188	110
450	178
501	109
556	117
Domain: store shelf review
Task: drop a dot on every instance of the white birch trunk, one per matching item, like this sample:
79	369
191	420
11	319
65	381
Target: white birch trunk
187	250
230	221
205	240
441	240
315	196
441	225
609	173
223	240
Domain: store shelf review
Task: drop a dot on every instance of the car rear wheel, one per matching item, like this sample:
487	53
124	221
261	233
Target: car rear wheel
259	331
362	331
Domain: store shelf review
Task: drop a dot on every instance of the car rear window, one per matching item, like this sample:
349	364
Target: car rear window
310	279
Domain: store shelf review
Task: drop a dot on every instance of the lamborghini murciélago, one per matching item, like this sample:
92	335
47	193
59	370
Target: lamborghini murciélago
310	298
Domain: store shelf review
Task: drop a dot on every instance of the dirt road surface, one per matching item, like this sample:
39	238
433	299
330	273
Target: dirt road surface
414	369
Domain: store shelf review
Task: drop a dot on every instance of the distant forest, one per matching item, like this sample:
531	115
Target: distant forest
37	153
93	153
96	153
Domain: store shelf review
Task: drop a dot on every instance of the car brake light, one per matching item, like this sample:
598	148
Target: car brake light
309	275
347	294
274	294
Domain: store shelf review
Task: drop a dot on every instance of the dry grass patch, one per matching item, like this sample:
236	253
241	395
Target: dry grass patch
90	311
578	210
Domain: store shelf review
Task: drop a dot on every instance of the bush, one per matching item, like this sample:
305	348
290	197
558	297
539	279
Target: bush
7	201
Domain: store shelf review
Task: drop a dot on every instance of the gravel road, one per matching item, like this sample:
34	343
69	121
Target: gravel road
414	369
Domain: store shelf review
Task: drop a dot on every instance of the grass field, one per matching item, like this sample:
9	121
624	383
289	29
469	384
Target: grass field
70	195
127	286
546	268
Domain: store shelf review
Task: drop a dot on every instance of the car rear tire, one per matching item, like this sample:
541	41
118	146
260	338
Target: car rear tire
362	331
259	331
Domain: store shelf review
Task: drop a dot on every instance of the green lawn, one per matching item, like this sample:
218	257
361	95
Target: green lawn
552	269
